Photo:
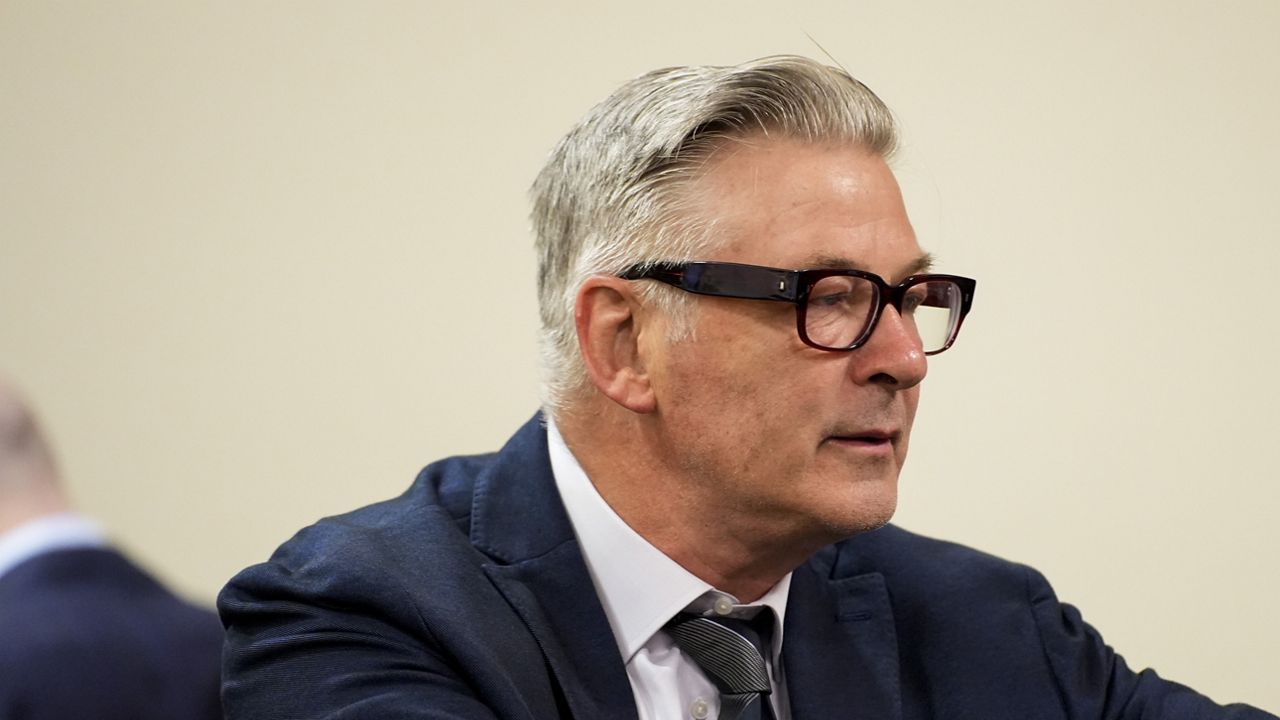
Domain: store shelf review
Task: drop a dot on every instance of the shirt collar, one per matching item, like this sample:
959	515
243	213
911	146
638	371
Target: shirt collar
62	531
646	590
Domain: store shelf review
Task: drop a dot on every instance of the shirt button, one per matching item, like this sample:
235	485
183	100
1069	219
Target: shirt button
723	606
699	709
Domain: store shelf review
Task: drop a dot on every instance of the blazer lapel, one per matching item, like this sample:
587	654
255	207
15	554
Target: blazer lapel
518	521
565	617
840	649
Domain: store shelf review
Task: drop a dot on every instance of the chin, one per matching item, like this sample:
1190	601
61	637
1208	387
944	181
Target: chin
867	514
838	502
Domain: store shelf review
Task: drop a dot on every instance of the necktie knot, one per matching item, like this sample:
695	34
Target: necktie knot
729	651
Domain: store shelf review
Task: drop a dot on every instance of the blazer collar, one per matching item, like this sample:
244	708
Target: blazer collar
517	519
840	649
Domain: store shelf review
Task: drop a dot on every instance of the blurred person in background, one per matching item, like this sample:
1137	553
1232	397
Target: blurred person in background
85	633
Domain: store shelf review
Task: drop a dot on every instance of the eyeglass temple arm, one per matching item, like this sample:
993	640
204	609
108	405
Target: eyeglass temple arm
725	280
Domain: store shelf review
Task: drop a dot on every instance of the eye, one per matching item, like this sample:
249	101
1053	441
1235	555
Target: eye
915	296
831	299
841	292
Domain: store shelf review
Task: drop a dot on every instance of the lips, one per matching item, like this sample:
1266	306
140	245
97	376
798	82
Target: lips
865	438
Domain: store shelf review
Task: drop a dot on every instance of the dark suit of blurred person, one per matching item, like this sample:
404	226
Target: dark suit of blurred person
84	633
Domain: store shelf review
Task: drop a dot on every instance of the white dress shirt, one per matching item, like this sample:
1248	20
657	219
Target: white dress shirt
641	589
62	531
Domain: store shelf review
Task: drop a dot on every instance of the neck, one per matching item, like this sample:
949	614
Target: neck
627	461
32	503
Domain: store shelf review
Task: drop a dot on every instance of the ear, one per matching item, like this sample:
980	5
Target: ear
610	322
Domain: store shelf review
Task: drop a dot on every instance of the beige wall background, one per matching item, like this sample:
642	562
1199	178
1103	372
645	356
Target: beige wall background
259	262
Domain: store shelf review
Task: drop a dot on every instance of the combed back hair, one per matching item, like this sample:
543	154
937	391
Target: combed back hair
615	191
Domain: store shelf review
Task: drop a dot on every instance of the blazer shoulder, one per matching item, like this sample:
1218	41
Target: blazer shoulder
89	585
436	511
441	493
918	566
892	549
379	545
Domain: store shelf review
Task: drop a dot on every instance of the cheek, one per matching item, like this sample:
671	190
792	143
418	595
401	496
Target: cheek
729	412
744	391
731	405
911	400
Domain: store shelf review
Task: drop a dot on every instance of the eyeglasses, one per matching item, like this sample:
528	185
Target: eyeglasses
835	309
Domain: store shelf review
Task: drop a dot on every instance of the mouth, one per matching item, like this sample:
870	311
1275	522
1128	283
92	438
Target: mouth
878	441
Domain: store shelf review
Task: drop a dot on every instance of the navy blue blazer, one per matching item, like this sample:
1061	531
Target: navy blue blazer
468	597
86	634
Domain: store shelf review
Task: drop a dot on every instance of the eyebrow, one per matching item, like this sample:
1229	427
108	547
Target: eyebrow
921	264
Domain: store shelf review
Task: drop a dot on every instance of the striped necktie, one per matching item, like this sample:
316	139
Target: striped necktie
729	651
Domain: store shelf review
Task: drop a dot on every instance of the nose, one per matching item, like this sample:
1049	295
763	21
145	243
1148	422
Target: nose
893	356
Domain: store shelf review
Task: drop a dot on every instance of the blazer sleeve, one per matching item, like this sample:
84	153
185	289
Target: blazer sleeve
1094	682
335	641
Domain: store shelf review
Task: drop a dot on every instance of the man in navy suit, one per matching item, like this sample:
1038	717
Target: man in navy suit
83	632
736	317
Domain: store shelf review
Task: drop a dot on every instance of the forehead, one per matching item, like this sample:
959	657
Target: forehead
792	204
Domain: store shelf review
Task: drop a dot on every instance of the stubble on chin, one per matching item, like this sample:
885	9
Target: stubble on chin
859	499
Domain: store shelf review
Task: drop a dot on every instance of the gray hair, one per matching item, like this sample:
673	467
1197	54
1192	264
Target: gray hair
615	190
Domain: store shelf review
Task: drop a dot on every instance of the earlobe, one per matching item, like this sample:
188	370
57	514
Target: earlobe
609	324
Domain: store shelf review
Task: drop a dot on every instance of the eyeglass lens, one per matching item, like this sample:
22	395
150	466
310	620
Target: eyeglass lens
840	308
